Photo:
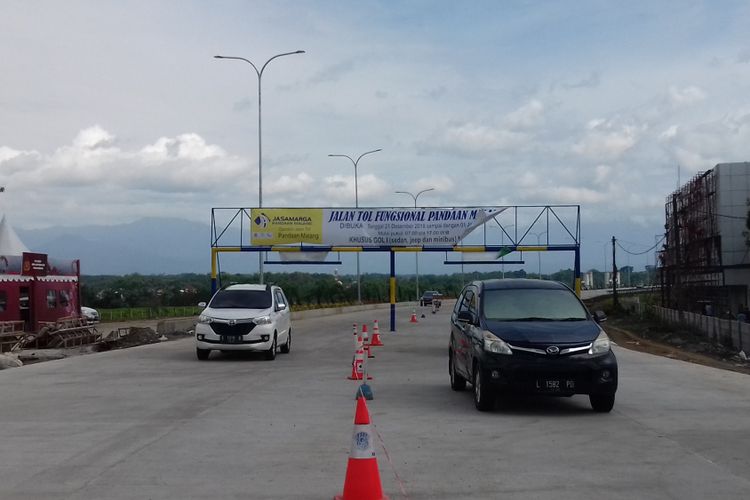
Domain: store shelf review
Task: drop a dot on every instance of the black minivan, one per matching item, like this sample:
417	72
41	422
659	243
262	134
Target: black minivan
529	336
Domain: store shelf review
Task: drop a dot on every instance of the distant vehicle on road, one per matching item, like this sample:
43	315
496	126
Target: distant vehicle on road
428	297
245	317
530	336
90	314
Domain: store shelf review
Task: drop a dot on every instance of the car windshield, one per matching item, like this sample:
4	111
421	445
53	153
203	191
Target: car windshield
241	299
532	304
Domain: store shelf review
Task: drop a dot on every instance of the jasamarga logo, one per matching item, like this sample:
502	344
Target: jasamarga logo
262	220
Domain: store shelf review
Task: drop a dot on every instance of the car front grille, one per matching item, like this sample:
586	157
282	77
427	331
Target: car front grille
236	330
541	350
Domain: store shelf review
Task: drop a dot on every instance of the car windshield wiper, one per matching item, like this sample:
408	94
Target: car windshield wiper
571	319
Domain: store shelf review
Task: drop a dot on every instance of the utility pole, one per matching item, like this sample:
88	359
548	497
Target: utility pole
614	276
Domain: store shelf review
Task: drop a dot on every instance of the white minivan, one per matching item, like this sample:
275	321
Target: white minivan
245	318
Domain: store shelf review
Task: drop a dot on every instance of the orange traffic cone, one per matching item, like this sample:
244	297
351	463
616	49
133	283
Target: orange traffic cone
358	367
362	476
376	342
413	317
366	341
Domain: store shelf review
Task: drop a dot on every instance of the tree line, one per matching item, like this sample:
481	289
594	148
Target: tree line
302	289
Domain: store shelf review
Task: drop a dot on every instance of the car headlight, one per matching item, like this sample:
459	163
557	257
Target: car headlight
203	318
601	345
262	320
494	344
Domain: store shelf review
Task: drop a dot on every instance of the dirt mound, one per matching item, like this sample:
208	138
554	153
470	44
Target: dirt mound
130	337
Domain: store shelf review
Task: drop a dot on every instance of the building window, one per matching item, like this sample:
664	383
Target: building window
64	298
3	301
51	299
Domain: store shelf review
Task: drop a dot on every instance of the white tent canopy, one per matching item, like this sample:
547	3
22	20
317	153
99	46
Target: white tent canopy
10	243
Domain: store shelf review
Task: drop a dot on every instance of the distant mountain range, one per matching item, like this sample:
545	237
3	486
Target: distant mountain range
146	246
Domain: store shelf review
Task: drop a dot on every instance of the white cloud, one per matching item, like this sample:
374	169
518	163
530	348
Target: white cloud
514	131
572	194
179	167
702	145
298	184
605	140
687	95
474	138
93	138
183	147
13	161
527	116
338	190
669	133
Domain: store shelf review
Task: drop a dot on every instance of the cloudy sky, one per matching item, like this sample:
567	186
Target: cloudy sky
113	111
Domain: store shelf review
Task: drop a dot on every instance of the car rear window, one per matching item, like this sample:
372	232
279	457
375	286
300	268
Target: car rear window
532	304
241	299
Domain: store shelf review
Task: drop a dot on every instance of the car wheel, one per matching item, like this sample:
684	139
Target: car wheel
288	345
458	383
602	403
271	353
484	400
202	353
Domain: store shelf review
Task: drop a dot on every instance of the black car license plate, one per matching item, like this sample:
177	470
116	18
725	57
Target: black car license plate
231	339
555	385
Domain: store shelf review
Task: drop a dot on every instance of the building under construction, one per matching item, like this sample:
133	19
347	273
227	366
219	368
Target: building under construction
705	263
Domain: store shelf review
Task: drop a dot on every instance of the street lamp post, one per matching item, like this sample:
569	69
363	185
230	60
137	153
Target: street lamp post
416	254
260	147
356	204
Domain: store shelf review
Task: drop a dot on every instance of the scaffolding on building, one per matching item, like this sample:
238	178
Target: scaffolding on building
690	261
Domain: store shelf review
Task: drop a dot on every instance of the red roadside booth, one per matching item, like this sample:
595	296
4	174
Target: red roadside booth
35	289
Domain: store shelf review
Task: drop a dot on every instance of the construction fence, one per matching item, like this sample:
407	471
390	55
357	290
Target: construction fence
131	313
728	332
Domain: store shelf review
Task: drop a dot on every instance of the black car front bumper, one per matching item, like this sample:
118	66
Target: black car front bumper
551	375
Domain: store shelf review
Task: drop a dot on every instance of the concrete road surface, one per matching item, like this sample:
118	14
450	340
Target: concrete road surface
153	422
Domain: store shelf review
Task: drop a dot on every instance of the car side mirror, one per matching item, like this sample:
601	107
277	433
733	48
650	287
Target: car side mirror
280	307
600	317
202	305
465	317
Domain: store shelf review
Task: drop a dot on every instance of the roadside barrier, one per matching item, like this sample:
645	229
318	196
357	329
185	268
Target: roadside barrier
362	480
